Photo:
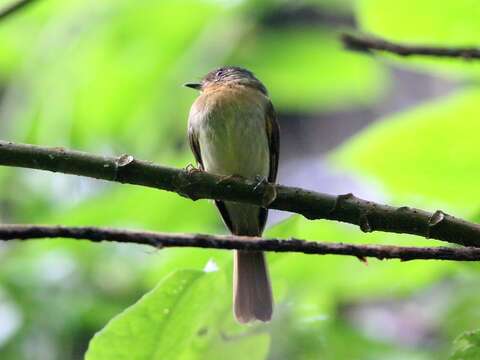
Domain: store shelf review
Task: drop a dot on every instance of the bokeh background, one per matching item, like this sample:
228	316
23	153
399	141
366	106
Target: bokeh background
106	76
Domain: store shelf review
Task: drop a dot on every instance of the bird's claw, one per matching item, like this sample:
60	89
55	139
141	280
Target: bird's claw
192	169
260	180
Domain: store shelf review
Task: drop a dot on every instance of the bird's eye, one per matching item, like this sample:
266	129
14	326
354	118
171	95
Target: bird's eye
219	73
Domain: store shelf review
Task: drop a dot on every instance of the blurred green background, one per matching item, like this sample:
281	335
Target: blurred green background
106	77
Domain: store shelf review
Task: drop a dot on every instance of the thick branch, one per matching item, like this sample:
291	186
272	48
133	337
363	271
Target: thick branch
347	208
13	8
161	240
367	44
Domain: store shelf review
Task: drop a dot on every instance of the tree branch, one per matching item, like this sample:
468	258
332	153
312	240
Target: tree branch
13	8
162	240
369	216
367	44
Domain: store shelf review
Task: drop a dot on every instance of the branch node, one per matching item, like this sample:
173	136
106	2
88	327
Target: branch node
117	163
182	183
364	223
339	199
363	260
436	218
345	196
124	160
269	194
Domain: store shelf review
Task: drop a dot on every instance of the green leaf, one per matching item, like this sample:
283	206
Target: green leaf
427	156
431	22
467	346
163	323
257	346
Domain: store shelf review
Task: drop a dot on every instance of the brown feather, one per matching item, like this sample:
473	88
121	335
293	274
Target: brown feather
195	146
273	135
225	215
253	296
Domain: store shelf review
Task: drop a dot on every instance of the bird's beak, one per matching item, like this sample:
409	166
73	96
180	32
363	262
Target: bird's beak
195	86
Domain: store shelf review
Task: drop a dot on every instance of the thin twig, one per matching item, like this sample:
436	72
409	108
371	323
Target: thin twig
162	240
369	216
13	8
368	43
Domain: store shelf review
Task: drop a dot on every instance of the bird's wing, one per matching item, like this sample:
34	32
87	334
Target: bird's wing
194	145
273	135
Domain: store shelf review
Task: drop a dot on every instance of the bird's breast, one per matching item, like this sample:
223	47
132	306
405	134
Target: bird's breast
231	127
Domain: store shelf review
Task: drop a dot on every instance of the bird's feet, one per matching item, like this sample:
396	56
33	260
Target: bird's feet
260	180
192	169
269	191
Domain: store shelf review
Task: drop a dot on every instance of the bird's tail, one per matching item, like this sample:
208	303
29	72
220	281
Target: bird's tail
252	292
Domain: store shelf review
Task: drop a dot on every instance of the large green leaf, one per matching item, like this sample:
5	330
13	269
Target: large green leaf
163	323
467	346
425	22
427	156
234	348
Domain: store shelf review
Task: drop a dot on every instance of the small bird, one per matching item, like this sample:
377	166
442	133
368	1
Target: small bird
233	131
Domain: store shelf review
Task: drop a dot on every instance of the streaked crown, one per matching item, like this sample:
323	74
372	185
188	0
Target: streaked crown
230	75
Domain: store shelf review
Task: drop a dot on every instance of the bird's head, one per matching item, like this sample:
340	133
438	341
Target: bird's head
230	76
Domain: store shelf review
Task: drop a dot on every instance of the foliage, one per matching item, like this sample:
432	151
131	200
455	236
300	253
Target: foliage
446	23
106	77
438	168
466	346
163	323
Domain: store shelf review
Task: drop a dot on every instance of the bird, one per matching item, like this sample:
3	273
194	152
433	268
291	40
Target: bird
233	131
